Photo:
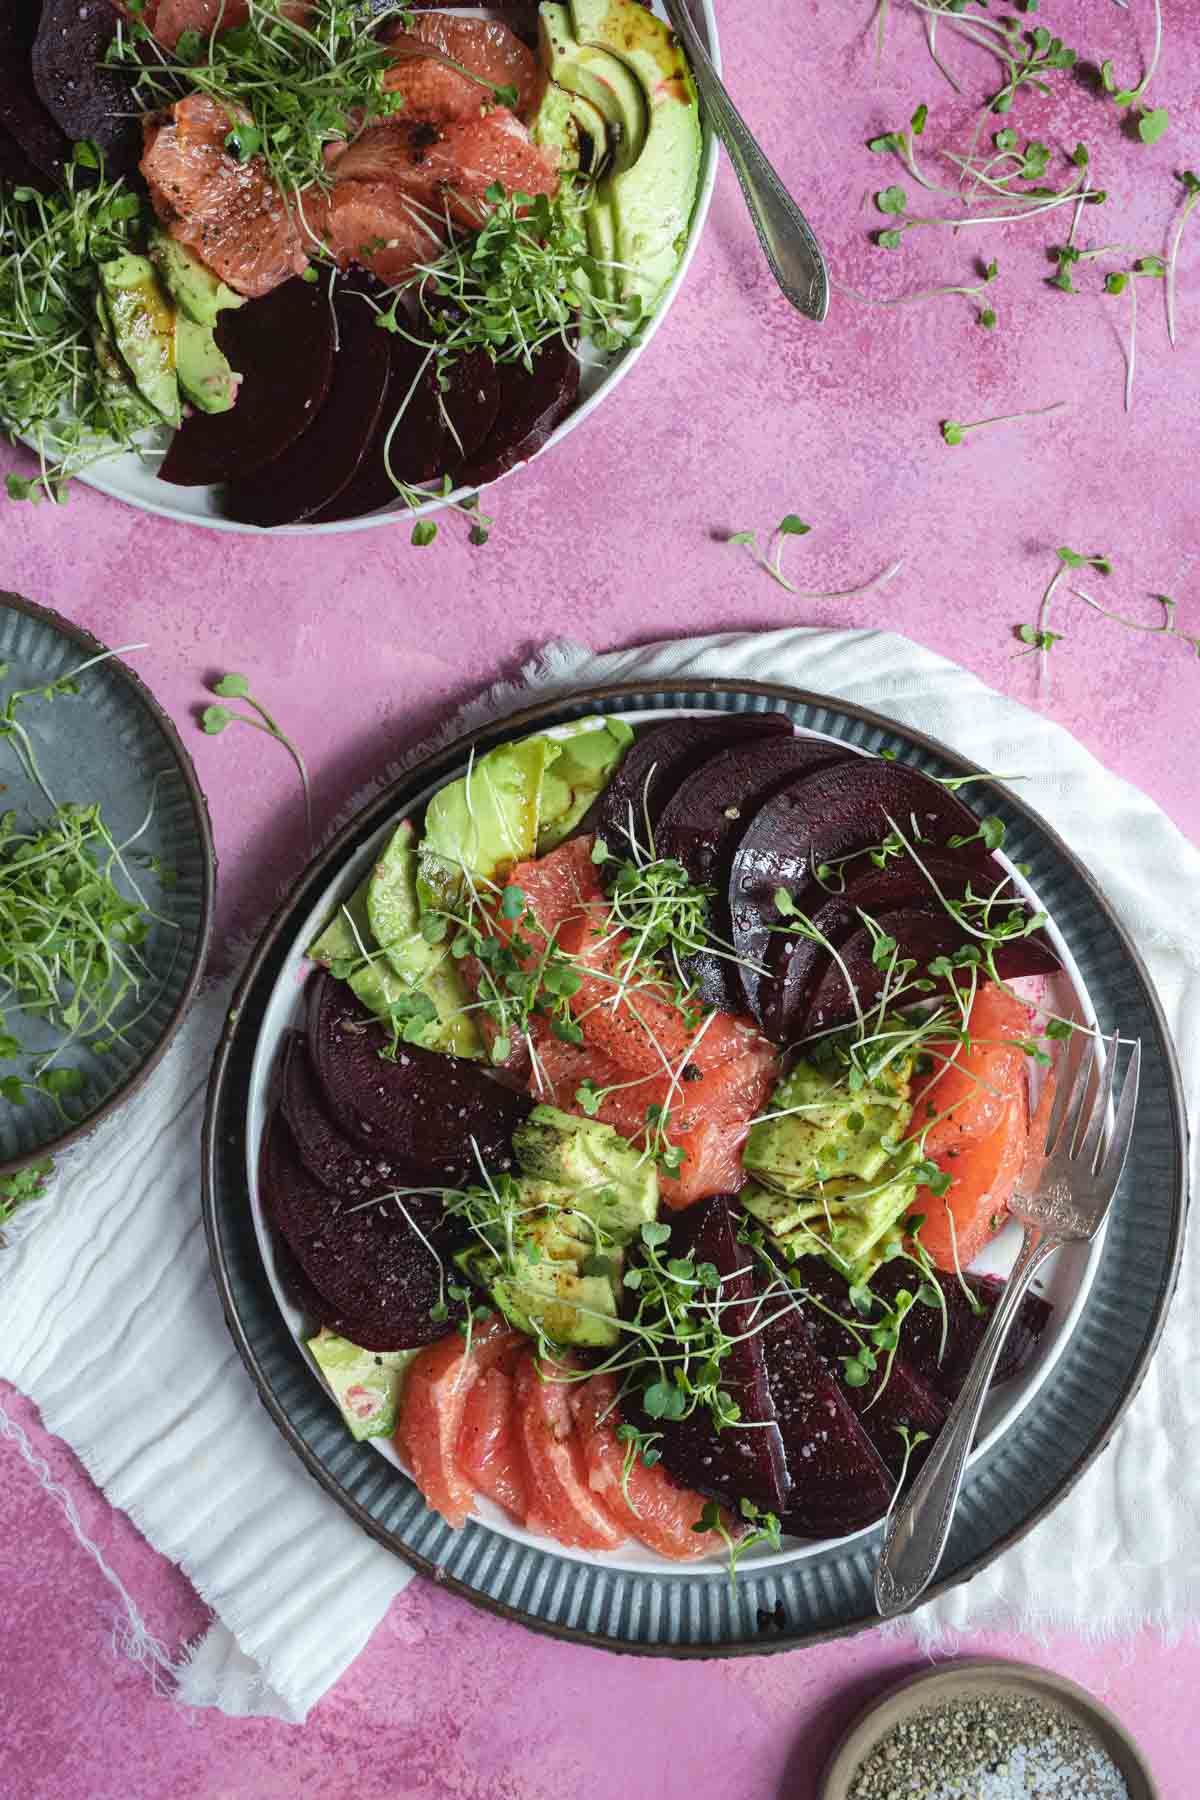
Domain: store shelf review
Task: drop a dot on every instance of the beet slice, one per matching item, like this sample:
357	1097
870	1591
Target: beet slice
531	404
839	1481
342	1167
439	1114
22	114
282	346
472	398
702	824
418	444
921	932
316	466
834	813
83	96
662	756
317	1310
921	1332
882	1406
15	166
368	1263
739	1462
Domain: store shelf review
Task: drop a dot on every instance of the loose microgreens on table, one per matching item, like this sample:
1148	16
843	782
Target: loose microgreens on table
292	88
54	391
1152	122
70	938
215	719
18	1189
954	431
1039	637
791	525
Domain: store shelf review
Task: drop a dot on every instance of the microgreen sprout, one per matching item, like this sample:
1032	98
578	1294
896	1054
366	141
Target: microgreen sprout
1152	122
1118	282
1039	637
1166	626
954	431
971	290
1191	190
215	719
903	144
764	1529
789	526
24	1185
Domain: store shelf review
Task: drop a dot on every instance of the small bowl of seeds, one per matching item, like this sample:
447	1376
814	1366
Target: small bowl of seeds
983	1730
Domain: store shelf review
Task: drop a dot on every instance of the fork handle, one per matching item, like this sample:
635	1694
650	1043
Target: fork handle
785	235
916	1532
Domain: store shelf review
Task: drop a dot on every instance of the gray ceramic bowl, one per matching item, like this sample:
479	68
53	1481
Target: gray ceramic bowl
113	744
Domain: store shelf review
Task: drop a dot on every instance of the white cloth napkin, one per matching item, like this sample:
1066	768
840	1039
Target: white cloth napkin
112	1326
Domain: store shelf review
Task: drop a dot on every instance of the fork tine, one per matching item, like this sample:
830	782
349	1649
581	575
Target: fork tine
1090	1151
1110	1171
1073	1107
1074	1050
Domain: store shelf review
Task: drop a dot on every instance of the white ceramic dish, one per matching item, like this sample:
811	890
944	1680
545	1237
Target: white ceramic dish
1066	1282
133	480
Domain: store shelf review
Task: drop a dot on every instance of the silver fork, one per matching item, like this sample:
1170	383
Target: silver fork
1084	1158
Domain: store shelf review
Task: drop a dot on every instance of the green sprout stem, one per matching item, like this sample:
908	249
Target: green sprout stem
954	430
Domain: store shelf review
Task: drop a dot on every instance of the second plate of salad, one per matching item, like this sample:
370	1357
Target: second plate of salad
631	1124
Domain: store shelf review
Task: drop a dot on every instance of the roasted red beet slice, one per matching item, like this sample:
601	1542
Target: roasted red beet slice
531	404
472	396
319	464
839	1481
435	1113
662	756
702	824
342	1167
739	1462
417	451
834	813
317	1309
282	346
369	1264
921	1333
922	933
904	1400
83	96
15	166
22	114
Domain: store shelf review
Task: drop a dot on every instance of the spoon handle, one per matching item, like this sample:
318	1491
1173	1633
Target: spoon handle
784	233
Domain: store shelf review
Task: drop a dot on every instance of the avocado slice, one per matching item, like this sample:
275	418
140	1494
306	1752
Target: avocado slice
598	78
115	383
348	947
651	200
203	369
541	1281
589	752
143	328
477	827
394	918
197	292
828	1139
607	1179
365	1383
574	127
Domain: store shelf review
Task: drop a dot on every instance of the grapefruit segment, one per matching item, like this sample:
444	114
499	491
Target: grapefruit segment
489	1445
561	1501
435	1399
647	1503
485	47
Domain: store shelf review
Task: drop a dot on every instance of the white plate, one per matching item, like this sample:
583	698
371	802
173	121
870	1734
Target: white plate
129	478
1065	1283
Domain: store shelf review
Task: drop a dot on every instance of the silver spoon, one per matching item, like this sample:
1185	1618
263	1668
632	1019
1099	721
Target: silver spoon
784	233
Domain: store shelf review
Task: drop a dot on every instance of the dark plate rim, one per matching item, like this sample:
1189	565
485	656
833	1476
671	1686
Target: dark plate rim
375	813
92	646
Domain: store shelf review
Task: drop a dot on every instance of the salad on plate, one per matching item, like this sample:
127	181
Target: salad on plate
657	1091
323	258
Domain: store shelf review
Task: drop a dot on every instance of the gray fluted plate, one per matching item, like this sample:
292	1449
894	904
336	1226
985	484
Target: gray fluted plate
111	743
1008	1489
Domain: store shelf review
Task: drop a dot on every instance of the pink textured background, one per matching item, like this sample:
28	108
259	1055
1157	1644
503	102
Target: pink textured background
740	413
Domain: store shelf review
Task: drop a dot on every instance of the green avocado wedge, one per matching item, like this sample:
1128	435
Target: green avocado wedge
589	752
366	1384
651	198
142	321
477	827
204	372
199	294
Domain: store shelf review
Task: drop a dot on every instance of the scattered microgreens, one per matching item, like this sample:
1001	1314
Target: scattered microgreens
640	1446
1191	190
54	390
1152	122
70	938
1039	637
215	719
902	143
1155	269
955	432
291	88
1026	56
1166	626
910	1439
789	526
26	1184
764	1529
